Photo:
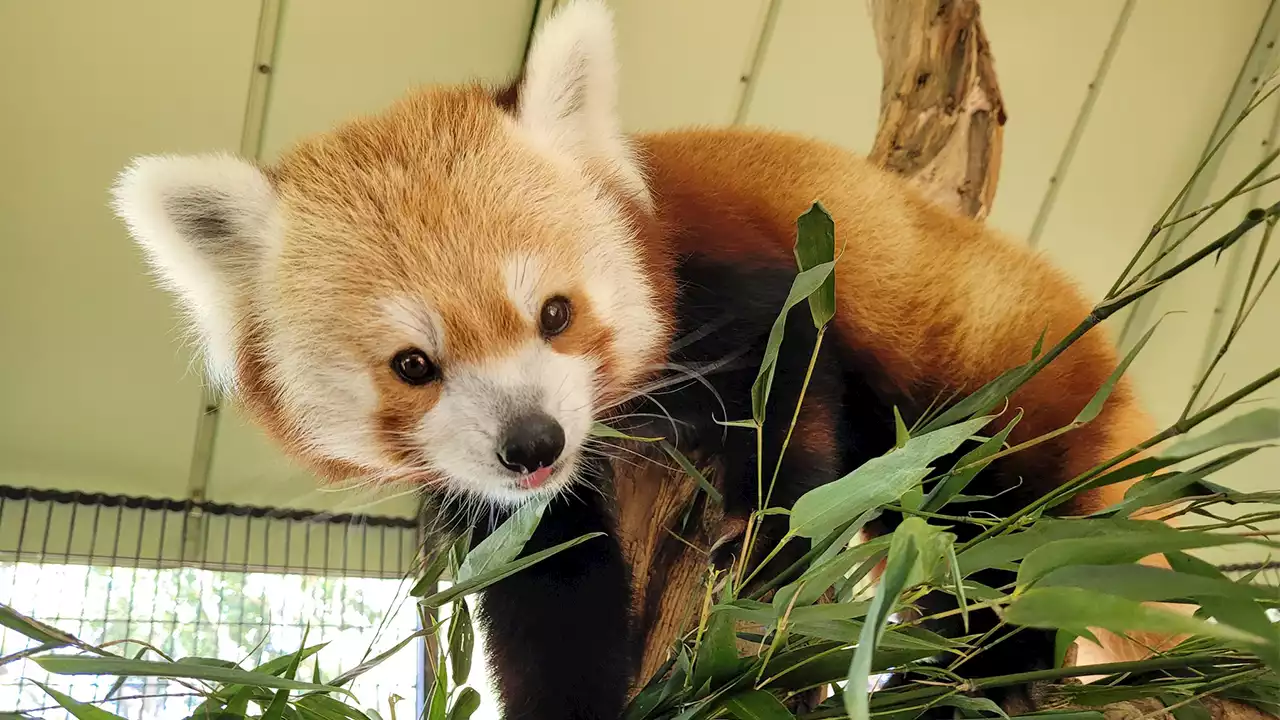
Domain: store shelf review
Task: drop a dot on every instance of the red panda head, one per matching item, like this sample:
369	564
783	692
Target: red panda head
449	291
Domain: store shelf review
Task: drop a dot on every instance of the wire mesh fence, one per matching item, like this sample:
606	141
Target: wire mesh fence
192	579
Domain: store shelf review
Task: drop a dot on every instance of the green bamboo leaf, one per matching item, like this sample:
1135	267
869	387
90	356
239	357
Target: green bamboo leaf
1002	551
1062	642
284	662
86	665
823	573
967	468
34	629
1163	488
983	400
806	283
331	709
120	681
1183	710
1240	612
816	245
903	557
877	482
1142	582
1116	549
504	543
957	582
437	702
81	711
238	705
931	543
973	704
691	471
1062	715
1075	609
275	710
484	580
900	432
757	705
1094	406
378	659
716	658
465	705
461	642
1261	425
429	580
604	431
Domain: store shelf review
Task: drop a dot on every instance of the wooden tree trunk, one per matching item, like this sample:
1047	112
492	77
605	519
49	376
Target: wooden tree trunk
941	113
940	125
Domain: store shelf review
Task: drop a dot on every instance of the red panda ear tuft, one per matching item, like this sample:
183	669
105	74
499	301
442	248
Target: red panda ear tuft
204	223
569	96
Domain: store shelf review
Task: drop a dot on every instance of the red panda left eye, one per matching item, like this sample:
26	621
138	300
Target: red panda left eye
554	318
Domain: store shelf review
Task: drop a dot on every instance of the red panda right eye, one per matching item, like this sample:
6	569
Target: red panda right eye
414	367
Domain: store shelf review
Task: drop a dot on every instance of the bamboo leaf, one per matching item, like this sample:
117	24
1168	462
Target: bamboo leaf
461	642
484	580
901	435
1238	611
1115	549
903	557
973	704
691	471
1143	582
328	707
1063	715
967	468
805	284
34	629
1094	406
429	580
505	542
290	670
85	665
823	573
378	659
1192	710
1003	550
1171	486
602	430
465	705
983	400
717	655
283	663
957	582
81	711
877	482
1075	609
757	705
1256	426
238	705
816	245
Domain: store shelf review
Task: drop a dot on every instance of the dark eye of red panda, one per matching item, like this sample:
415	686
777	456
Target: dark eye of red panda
414	367
554	317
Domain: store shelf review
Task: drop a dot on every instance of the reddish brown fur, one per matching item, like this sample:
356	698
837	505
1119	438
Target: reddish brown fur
943	302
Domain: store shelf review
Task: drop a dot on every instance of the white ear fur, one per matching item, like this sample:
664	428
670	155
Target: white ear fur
569	96
205	224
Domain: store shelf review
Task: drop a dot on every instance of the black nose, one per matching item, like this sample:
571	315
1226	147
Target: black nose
532	442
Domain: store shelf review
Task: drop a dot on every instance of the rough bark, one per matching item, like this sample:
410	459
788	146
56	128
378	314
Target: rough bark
941	113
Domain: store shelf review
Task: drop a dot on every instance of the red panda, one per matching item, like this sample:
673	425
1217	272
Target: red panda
451	291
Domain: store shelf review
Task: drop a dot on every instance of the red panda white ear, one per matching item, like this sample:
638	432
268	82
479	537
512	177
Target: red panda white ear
205	224
569	96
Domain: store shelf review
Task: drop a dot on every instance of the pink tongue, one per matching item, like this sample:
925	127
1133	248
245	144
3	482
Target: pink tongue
536	478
